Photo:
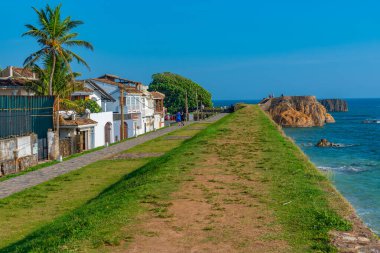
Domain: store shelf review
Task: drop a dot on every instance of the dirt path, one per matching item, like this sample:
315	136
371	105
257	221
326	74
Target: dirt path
225	204
220	208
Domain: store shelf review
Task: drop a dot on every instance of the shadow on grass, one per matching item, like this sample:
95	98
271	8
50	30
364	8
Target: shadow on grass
98	222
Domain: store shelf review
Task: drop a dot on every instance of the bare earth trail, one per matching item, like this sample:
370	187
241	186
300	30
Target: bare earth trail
236	186
221	207
34	178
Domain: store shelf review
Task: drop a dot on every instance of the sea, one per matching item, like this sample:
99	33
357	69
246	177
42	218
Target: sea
354	166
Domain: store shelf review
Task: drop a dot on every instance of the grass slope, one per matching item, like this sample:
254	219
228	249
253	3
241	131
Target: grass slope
299	195
24	212
98	221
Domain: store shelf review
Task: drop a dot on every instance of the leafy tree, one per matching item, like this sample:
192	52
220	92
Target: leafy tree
63	83
54	36
175	88
88	104
80	105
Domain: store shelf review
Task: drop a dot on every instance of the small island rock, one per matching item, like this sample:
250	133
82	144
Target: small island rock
325	143
296	111
335	105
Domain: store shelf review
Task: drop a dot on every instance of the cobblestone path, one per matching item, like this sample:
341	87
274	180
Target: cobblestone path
33	178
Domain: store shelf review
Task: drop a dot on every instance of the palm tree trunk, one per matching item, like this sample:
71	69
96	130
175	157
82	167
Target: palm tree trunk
51	76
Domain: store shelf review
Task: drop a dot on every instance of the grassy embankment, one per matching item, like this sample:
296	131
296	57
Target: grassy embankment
49	163
24	212
305	206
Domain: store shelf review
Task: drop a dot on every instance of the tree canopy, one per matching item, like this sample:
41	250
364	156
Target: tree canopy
175	88
55	38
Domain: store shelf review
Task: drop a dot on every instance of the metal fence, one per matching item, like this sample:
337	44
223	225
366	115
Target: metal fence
20	115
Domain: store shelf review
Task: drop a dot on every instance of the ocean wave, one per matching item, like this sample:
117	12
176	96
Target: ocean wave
344	168
342	145
336	145
371	121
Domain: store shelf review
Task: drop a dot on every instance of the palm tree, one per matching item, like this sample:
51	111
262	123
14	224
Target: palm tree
54	36
63	83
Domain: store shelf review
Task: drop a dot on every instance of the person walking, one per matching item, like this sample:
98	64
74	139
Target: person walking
178	118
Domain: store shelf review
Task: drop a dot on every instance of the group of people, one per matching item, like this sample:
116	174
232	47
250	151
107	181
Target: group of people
180	118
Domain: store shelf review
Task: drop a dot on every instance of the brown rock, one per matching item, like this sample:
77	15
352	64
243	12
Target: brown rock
297	111
335	105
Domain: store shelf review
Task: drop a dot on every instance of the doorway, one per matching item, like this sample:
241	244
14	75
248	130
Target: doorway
107	133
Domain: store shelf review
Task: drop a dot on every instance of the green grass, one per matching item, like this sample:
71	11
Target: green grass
299	196
99	221
300	192
24	212
47	164
37	167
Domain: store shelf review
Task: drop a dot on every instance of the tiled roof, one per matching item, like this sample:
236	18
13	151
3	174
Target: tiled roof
84	91
15	82
104	95
77	122
120	85
157	95
103	80
22	72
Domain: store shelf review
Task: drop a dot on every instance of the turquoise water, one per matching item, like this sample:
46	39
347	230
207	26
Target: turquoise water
355	167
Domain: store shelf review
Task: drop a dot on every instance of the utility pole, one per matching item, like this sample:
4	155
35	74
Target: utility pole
122	113
186	108
196	100
57	128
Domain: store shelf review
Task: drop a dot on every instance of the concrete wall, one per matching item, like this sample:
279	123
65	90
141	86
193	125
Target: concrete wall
159	121
18	153
99	131
131	131
53	144
113	90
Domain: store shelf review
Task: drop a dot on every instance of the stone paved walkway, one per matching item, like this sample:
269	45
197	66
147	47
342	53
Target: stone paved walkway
33	178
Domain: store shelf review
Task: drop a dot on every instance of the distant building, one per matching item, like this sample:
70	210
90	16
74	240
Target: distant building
143	110
13	81
80	130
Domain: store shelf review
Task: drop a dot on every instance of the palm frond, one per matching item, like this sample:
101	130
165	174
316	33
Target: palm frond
80	43
30	60
79	59
67	37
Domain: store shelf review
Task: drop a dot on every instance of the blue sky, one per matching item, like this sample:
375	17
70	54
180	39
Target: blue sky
236	49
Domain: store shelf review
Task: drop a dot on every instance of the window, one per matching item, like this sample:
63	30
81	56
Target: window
127	101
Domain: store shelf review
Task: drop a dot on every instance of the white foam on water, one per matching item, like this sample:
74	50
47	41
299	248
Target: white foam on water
342	168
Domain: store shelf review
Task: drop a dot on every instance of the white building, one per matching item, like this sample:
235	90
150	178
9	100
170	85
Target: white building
79	129
104	130
143	110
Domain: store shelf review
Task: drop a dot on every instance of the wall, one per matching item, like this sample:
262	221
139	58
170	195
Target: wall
114	91
18	153
99	134
159	121
97	98
53	145
131	130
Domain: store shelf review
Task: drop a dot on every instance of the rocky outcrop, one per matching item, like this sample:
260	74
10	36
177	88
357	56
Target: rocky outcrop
297	111
335	105
324	143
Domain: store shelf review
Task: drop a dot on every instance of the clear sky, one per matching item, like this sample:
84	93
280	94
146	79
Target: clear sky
236	49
